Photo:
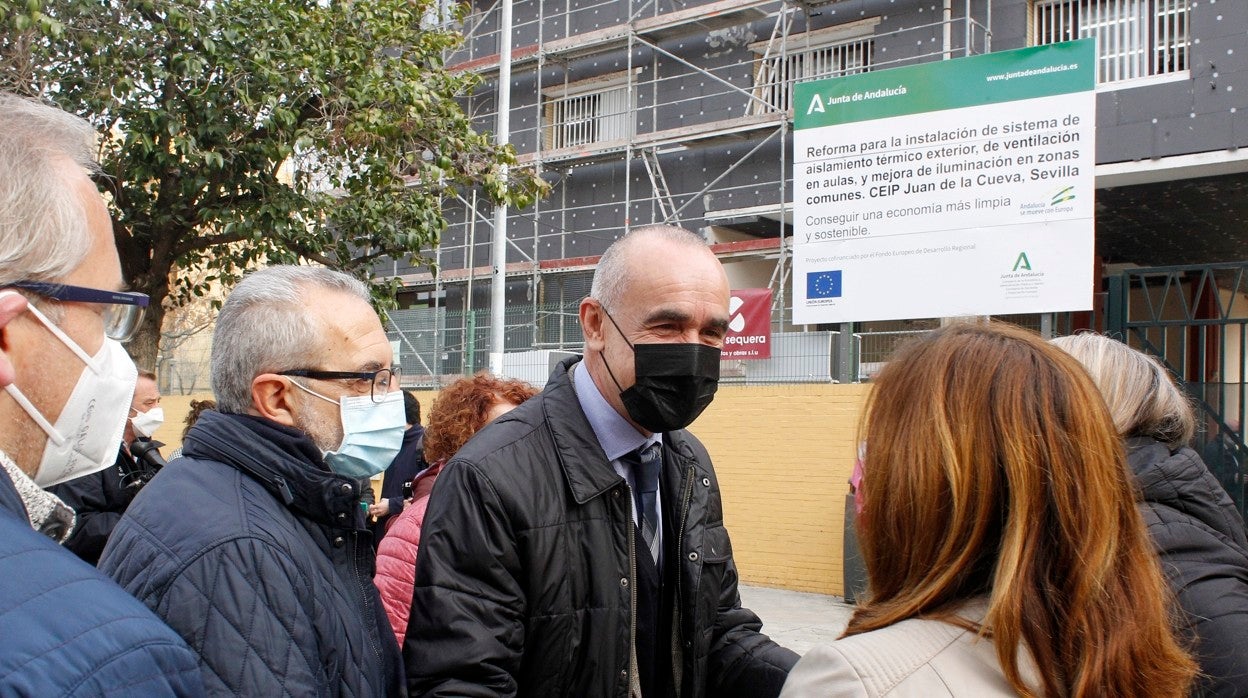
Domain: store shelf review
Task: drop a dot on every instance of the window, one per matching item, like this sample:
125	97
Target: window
589	111
824	53
1134	38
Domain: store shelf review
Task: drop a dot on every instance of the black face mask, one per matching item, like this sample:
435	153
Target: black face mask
673	383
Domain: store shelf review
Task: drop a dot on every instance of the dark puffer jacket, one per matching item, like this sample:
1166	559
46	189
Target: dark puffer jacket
1201	540
251	549
526	571
66	630
98	500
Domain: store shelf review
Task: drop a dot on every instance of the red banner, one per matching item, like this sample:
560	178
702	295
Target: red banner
749	325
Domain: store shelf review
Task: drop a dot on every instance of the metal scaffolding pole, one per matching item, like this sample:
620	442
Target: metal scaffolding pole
498	257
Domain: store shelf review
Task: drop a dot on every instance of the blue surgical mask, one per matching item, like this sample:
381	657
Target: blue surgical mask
372	433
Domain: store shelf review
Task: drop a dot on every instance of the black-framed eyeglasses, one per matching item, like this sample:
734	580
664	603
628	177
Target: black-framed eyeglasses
381	382
122	309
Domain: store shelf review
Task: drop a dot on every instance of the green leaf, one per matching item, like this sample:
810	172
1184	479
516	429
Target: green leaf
242	132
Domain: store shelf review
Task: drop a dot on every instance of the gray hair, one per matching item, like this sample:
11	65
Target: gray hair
43	225
612	274
265	327
1142	396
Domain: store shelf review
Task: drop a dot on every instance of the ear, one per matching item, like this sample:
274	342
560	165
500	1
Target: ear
272	397
12	304
592	318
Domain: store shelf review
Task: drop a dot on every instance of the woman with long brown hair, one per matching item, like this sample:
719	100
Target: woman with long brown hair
1000	535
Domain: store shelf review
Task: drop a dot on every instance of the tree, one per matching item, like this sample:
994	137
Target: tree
238	132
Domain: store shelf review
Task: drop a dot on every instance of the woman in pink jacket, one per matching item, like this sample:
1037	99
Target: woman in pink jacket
460	410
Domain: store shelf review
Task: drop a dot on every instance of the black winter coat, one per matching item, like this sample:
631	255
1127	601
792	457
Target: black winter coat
98	501
526	570
1204	552
251	550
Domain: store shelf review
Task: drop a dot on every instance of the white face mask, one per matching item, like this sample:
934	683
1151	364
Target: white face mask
86	435
146	423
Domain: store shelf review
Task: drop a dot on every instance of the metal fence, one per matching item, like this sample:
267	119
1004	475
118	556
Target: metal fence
1195	320
435	346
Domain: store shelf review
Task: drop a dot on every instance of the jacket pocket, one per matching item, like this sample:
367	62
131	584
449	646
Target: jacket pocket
715	556
716	547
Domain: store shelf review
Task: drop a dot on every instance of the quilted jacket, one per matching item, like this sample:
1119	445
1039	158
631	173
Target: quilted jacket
527	569
253	551
1204	552
67	630
396	554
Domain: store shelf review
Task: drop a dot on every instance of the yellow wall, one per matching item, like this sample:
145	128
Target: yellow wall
783	454
176	408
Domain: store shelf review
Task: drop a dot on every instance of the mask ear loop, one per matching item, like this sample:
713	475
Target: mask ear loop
35	414
14	392
65	339
313	392
604	354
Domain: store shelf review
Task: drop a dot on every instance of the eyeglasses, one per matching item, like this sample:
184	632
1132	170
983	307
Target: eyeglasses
380	383
122	309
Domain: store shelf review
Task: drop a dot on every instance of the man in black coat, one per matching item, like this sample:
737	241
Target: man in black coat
252	547
99	499
576	546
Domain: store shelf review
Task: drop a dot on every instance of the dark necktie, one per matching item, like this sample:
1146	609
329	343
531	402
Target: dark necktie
646	464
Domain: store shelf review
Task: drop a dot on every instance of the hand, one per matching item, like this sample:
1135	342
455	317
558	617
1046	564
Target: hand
379	509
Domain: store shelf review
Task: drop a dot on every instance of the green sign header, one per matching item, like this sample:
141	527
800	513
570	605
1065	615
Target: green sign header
1005	76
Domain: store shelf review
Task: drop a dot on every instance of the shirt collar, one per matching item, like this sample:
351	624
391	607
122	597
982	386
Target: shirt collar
616	436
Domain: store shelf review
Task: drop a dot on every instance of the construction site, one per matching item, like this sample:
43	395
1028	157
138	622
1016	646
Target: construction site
639	113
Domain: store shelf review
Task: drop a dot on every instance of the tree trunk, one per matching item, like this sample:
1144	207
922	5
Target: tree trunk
145	346
146	267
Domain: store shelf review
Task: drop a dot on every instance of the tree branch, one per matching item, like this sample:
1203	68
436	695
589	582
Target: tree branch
196	242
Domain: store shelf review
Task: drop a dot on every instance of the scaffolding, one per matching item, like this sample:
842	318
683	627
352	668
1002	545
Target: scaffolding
639	114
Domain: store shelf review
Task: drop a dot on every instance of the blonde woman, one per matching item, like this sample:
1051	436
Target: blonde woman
1000	535
1194	525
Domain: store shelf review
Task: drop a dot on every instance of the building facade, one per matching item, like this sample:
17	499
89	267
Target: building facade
640	111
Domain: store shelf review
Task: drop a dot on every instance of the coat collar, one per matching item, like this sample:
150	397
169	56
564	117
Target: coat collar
585	465
46	513
282	459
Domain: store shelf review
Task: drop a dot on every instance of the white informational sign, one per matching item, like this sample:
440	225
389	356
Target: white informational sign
962	187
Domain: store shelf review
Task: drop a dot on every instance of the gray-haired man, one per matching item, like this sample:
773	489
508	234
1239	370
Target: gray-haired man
64	628
253	547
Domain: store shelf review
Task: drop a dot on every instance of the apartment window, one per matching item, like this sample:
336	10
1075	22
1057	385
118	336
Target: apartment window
1134	38
824	53
589	111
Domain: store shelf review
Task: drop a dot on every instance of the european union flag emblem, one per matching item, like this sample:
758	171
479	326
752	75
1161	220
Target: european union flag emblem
823	284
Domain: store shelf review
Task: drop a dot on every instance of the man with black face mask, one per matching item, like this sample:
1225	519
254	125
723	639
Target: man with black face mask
576	546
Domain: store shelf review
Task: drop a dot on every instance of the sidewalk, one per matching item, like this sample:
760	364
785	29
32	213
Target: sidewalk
795	619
